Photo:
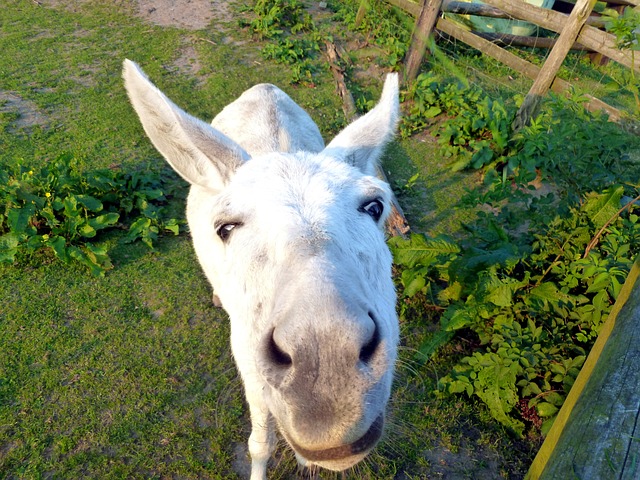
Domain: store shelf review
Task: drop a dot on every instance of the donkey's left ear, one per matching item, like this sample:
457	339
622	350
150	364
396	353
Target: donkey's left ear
360	143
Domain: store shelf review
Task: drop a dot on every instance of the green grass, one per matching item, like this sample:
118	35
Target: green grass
130	375
117	377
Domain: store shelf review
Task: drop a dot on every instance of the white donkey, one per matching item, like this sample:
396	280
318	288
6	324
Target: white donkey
290	235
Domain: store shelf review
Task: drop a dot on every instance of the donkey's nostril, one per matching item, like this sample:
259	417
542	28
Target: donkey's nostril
276	354
369	348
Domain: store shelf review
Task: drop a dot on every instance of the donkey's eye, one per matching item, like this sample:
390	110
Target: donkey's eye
224	230
374	208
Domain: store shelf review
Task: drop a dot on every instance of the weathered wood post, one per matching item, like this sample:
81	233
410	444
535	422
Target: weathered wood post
362	10
429	12
568	36
597	432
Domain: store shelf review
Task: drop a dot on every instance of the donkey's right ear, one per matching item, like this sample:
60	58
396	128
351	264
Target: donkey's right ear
198	152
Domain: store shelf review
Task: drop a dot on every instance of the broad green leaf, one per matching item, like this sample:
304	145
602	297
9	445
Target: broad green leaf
99	256
495	386
432	112
476	259
431	346
548	292
602	207
173	226
452	293
89	202
70	207
546	409
8	247
149	194
104	221
137	229
18	218
59	246
482	157
413	282
554	398
455	318
419	250
501	294
546	425
87	231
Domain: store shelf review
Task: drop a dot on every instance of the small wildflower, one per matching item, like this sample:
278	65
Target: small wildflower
47	194
45	237
30	172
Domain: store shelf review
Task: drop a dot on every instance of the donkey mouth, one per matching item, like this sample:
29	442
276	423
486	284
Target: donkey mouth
357	448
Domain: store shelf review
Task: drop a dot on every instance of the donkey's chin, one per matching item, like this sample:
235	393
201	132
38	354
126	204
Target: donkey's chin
341	457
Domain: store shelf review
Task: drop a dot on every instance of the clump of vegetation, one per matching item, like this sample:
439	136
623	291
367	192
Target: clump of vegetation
281	21
63	210
476	130
534	279
626	28
386	26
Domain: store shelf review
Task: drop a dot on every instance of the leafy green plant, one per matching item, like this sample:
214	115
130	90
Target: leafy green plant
273	17
476	130
296	53
387	26
64	210
626	28
280	21
534	304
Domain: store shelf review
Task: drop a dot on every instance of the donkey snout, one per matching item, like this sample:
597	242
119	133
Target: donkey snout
313	353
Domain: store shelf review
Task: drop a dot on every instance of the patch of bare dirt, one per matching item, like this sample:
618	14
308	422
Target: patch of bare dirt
188	62
28	114
189	14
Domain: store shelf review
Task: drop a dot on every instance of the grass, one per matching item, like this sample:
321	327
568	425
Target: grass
131	376
117	377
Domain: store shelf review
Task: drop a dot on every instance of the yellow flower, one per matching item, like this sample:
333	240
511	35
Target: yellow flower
47	194
30	172
45	237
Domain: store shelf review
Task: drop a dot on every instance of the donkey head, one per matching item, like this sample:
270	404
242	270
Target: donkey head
290	235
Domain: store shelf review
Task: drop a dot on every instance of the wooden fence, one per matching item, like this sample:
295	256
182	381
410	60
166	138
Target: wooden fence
576	30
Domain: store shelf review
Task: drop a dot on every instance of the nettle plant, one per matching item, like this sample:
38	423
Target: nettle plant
535	303
63	210
536	275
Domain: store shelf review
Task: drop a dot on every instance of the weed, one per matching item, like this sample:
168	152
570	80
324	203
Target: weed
387	26
280	21
477	130
626	28
62	209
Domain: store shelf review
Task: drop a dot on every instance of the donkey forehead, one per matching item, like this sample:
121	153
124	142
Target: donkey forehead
298	184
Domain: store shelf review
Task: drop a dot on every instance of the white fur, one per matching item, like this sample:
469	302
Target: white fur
305	275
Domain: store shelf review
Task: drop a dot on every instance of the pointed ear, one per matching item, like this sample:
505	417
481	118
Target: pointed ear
198	152
361	143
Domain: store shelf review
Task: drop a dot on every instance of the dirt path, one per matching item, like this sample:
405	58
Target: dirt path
189	14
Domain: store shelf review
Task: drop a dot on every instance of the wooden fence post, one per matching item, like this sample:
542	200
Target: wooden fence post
362	10
425	23
568	36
